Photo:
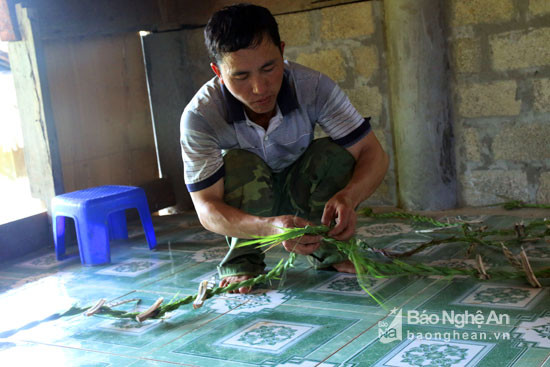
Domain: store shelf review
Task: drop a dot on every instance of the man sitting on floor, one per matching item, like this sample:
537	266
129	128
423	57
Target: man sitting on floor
251	164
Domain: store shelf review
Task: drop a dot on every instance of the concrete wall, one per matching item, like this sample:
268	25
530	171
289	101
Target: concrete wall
500	72
346	42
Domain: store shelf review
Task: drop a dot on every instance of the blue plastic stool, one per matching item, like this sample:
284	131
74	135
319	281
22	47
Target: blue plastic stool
98	213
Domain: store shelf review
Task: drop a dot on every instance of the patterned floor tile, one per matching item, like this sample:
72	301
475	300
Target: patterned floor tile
538	253
256	301
132	267
41	262
202	236
511	298
307	318
536	332
267	336
132	272
534	357
502	296
370	230
42	298
340	290
436	352
44	262
125	335
418	345
342	284
120	336
186	280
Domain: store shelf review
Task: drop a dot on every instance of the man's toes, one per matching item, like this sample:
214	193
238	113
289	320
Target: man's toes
244	290
345	267
236	279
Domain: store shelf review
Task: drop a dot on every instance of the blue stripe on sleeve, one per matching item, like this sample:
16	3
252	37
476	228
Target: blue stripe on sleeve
201	185
355	135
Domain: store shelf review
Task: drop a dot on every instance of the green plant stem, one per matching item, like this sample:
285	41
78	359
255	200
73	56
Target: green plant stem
517	204
364	266
274	273
368	212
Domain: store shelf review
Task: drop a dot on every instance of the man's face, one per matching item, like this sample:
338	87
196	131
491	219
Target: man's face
254	76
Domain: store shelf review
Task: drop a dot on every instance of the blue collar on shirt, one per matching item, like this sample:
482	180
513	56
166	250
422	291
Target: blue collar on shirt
286	100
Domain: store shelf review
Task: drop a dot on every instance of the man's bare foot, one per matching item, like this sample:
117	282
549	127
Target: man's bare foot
345	267
235	279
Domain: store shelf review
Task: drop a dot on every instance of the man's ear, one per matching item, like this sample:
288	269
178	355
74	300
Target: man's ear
282	47
216	70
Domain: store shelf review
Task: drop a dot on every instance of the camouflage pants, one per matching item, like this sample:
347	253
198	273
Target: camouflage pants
302	189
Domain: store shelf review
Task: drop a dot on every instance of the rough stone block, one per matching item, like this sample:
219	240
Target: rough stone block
367	100
539	7
347	21
366	60
295	29
467	55
543	193
486	187
481	11
518	49
488	99
542	95
468	144
522	142
329	62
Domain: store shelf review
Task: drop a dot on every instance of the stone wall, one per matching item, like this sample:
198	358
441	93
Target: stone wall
500	70
346	42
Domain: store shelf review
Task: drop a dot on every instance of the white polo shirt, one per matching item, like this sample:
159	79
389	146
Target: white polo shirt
214	121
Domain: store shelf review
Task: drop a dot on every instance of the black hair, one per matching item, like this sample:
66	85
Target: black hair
237	27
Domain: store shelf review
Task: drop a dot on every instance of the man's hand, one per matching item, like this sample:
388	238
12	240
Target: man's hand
341	210
371	164
304	245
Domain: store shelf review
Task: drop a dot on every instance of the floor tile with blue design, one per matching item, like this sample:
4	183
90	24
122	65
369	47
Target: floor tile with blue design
308	318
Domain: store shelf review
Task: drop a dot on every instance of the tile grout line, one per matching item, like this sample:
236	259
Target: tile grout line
326	308
545	360
169	275
135	291
370	327
209	321
106	353
140	289
200	326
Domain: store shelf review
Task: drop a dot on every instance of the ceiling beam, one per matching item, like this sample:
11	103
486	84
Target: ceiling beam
69	18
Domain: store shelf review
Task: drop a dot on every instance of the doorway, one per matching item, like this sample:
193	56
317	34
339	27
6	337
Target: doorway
16	201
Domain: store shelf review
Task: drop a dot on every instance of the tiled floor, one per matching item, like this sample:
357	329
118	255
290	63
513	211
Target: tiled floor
313	318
